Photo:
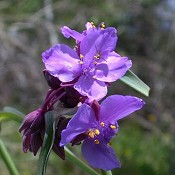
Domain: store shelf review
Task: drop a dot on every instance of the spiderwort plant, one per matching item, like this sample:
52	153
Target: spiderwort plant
97	125
82	74
92	65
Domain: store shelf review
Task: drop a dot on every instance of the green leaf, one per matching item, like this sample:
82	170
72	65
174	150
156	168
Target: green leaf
13	110
47	143
7	159
10	116
9	113
135	82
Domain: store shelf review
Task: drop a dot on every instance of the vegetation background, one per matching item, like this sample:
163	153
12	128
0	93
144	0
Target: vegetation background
146	30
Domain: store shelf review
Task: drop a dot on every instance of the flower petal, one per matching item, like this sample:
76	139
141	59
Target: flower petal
67	32
90	87
100	155
113	68
115	107
80	123
103	41
62	62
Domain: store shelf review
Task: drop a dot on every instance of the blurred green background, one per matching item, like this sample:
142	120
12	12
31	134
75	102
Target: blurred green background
146	30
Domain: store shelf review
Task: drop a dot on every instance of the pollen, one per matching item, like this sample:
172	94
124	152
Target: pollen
95	62
102	25
96	141
91	134
112	126
97	56
92	24
81	62
102	124
97	132
81	56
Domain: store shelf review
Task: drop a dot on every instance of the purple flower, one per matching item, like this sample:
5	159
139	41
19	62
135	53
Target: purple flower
92	65
97	125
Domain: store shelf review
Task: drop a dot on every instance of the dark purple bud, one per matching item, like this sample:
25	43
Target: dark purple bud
62	123
52	81
29	119
33	131
71	98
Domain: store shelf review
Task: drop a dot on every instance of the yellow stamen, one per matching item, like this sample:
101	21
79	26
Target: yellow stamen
92	24
102	25
81	62
91	134
112	126
97	56
97	132
96	141
81	56
94	77
102	124
95	62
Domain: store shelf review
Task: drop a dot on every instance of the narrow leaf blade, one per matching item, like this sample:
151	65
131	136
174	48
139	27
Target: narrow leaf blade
14	111
47	143
136	83
7	159
10	116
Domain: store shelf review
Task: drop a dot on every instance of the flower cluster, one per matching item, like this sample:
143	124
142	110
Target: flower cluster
82	75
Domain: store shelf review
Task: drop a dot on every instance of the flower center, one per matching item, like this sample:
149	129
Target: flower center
102	133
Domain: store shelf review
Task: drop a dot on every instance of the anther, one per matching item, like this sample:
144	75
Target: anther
81	56
112	126
96	141
102	124
97	132
102	25
92	24
81	62
97	56
91	134
95	62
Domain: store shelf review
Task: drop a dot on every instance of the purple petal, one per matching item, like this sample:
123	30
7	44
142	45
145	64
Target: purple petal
100	155
67	32
115	107
88	25
93	89
113	68
62	62
103	41
80	123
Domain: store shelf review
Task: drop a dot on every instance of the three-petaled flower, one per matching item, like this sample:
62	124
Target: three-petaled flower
97	125
91	65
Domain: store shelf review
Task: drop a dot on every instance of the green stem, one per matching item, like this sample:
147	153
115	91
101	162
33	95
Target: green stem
7	159
106	172
72	158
